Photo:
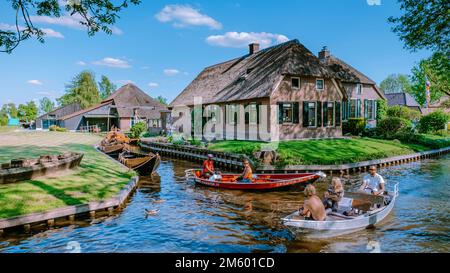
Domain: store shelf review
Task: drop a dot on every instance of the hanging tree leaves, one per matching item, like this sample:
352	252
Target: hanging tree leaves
95	15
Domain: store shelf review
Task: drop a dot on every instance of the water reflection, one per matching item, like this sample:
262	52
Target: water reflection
194	218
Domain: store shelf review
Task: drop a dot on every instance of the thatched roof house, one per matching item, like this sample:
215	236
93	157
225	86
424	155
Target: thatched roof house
122	109
312	94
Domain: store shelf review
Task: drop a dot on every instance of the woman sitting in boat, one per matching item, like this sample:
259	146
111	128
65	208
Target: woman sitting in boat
208	167
247	174
334	194
313	208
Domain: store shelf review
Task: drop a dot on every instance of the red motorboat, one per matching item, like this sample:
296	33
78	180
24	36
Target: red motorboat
260	181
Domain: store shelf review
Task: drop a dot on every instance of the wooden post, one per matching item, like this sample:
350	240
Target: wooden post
51	222
110	211
2	232
92	214
71	218
27	228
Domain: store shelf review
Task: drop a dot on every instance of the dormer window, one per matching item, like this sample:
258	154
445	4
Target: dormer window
320	84
295	83
359	89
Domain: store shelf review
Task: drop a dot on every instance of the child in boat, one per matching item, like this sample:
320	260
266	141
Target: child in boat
208	167
334	194
313	208
247	175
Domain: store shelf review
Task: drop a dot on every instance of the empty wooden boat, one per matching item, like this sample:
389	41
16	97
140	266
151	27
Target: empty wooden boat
356	211
260	181
110	149
143	163
25	169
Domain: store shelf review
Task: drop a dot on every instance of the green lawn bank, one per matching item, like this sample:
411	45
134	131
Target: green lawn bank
97	178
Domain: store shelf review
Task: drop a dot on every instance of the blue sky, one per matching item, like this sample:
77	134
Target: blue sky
161	46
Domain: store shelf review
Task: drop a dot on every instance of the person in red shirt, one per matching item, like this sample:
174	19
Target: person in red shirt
208	167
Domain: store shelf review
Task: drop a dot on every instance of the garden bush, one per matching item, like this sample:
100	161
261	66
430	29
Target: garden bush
55	128
403	112
354	126
433	122
381	109
137	129
391	126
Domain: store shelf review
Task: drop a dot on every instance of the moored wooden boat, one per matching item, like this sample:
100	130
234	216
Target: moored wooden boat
260	182
25	169
372	210
114	148
144	164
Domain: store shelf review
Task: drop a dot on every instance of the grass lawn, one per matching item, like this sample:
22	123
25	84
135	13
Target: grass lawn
97	178
5	129
323	152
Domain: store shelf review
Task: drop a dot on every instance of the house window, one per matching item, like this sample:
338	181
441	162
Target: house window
369	109
232	114
155	123
355	108
253	114
359	89
312	113
287	113
320	84
345	110
212	113
328	114
295	83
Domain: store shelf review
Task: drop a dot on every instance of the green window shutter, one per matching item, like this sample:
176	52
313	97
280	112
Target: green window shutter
295	112
337	114
280	113
366	108
319	114
325	113
258	105
305	114
358	108
375	109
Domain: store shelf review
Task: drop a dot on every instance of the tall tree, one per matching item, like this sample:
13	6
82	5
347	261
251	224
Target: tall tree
425	24
396	83
95	15
436	69
82	89
10	110
46	105
106	87
162	100
28	111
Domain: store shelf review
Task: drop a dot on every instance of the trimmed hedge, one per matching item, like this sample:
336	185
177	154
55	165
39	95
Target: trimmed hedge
354	126
433	122
391	126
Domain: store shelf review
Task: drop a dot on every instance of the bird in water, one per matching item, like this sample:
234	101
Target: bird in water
151	212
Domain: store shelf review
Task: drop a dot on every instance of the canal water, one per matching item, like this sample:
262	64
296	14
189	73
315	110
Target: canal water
199	219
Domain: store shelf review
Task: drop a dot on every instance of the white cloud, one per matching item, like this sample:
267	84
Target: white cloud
243	39
47	31
70	21
35	82
171	72
113	62
153	85
81	63
185	15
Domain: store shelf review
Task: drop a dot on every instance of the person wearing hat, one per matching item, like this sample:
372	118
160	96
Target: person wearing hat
208	167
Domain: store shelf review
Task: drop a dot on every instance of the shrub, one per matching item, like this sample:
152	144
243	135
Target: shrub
195	142
433	122
55	128
381	109
403	112
391	126
137	129
3	120
354	126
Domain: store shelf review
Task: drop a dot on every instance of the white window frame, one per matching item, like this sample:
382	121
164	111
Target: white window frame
333	124
299	83
231	121
292	113
315	114
323	84
251	105
359	89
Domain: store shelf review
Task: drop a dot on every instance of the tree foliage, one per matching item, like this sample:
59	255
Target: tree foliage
95	15
433	122
28	111
381	109
82	89
46	105
10	109
425	24
403	112
436	68
162	100
396	83
106	87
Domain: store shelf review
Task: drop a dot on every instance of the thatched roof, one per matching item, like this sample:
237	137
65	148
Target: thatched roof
252	76
347	73
130	97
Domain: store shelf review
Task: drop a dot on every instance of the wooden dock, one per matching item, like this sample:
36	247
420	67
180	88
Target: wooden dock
234	161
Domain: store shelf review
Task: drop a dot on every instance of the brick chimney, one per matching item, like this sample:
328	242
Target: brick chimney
253	48
324	54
